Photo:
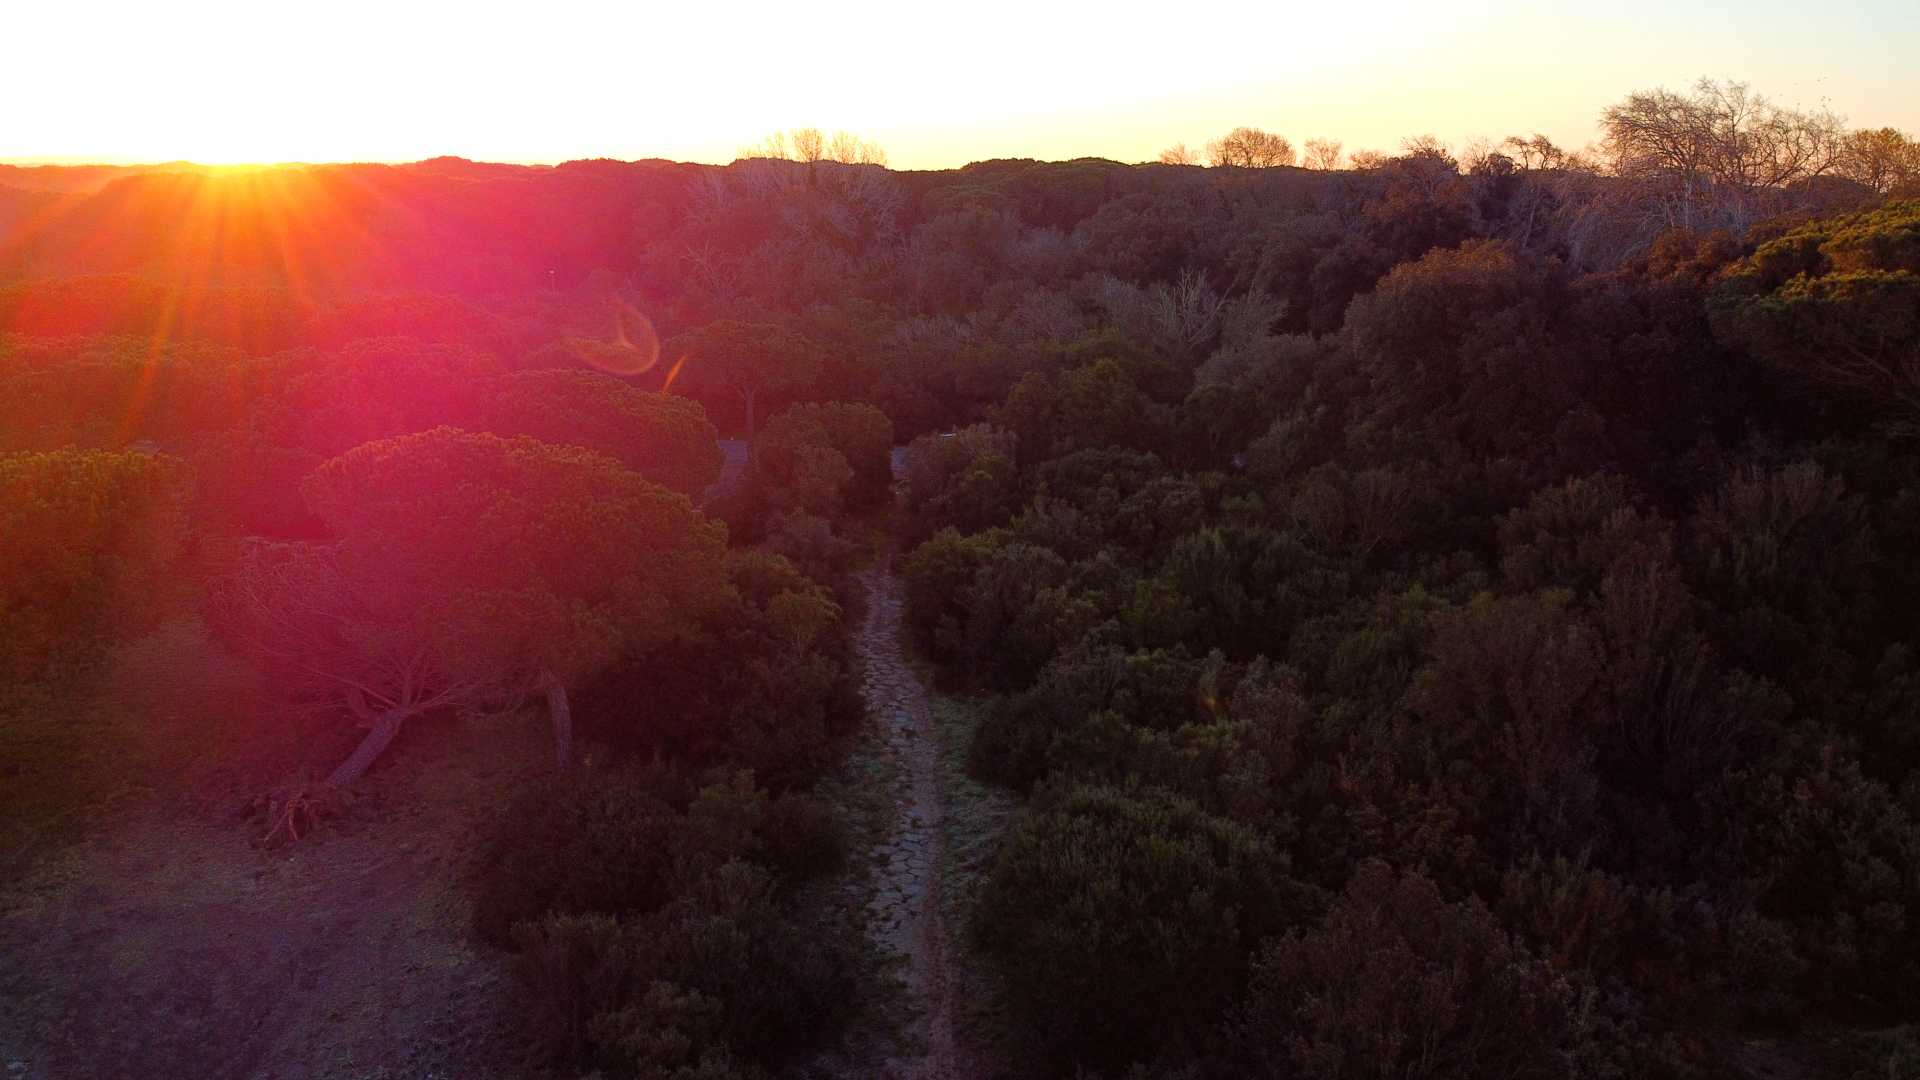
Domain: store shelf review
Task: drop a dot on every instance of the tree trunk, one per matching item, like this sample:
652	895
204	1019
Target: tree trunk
562	715
385	727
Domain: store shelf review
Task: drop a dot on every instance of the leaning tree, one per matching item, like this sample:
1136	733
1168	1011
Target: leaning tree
747	359
462	569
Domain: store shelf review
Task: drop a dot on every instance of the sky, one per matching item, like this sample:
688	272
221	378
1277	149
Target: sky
937	85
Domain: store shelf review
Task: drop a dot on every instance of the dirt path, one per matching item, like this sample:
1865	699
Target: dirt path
905	910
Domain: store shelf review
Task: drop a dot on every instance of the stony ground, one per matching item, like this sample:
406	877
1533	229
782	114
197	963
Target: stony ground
927	830
907	917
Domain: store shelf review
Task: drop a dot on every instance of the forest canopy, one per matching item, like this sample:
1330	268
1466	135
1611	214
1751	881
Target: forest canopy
1431	613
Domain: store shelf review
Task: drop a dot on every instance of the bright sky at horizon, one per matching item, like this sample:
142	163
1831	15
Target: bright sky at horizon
221	81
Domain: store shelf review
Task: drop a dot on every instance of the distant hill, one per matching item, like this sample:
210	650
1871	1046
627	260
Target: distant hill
82	178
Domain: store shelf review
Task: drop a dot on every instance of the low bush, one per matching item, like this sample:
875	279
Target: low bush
593	841
763	679
720	983
810	543
801	837
1121	919
1397	981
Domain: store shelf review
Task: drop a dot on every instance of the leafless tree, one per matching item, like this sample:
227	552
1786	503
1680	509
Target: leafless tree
808	145
1478	152
1179	154
774	146
850	149
1426	165
1428	146
1250	148
1533	153
1322	154
1187	314
1721	155
1181	319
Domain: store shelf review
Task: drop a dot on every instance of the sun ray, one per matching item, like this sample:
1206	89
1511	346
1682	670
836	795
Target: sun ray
674	373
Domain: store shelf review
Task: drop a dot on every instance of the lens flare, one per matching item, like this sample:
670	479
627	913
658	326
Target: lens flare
635	347
674	373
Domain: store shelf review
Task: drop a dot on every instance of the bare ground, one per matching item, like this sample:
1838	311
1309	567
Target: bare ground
905	913
171	946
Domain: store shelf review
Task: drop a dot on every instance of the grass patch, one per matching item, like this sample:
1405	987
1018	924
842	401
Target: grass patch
978	815
173	936
977	819
149	720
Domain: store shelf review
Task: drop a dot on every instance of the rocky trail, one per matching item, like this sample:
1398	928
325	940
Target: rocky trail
905	915
912	1037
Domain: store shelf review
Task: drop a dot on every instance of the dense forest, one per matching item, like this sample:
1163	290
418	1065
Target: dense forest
1444	613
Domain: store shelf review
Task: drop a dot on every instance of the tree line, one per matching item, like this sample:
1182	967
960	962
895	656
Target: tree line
1442	614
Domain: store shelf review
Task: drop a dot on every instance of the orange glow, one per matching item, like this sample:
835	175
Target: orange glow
233	81
239	256
674	373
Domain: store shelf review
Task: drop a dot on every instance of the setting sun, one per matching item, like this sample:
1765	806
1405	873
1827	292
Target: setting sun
368	80
992	541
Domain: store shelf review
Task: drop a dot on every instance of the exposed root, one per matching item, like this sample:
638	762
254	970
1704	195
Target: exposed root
296	811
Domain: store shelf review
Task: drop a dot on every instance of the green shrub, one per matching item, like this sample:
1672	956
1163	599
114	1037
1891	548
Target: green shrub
934	576
858	435
591	841
784	984
1121	920
1019	613
811	544
1016	743
720	982
89	548
964	480
762	679
1089	407
665	438
801	837
668	1032
1832	852
1398	982
575	969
